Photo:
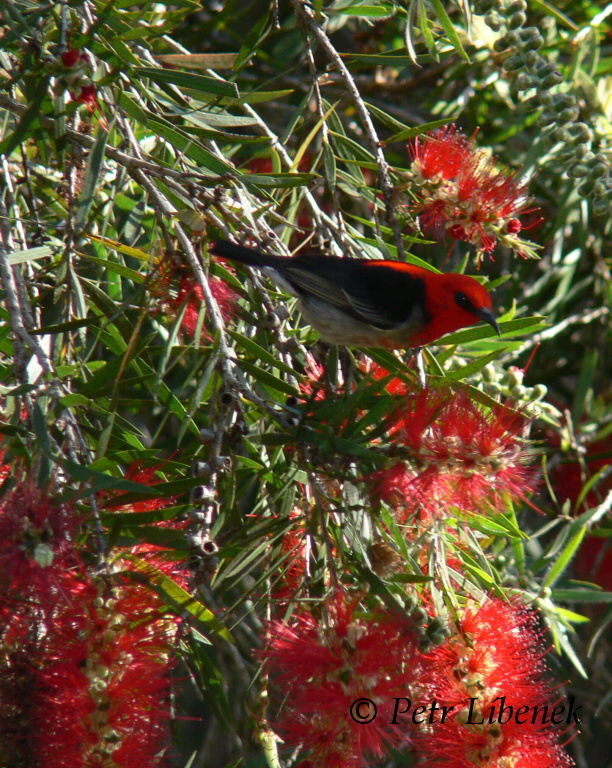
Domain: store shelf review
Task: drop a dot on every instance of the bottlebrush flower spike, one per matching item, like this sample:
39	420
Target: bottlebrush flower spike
464	454
37	542
97	678
496	651
462	192
293	567
323	666
191	293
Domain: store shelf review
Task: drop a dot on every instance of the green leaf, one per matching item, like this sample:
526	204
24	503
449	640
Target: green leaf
70	325
411	133
178	595
425	28
448	27
585	383
31	254
27	120
199	60
511	328
277	180
477	365
581	596
262	354
100	481
189	80
379	11
119	269
565	557
268	379
260	97
39	426
92	176
126	250
182	142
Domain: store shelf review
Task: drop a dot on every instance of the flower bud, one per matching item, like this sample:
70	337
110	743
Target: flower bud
539	391
577	171
534	43
601	206
493	21
567	115
596	159
515	377
599	188
513	63
552	79
517	20
482	6
547	118
546	99
561	135
488	373
512	38
501	44
598	170
419	616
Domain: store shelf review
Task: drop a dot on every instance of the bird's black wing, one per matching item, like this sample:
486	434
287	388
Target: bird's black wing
378	295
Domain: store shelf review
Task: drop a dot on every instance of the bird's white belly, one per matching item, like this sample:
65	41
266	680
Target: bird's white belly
335	327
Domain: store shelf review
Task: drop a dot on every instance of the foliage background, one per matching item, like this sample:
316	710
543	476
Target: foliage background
106	210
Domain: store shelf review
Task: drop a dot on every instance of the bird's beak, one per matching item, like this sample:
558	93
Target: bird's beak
486	315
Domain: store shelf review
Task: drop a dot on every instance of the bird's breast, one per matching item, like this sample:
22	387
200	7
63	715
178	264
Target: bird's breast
336	327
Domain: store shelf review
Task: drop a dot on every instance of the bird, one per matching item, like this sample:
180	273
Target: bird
370	302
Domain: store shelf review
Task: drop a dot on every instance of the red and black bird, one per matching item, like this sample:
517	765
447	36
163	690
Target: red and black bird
371	303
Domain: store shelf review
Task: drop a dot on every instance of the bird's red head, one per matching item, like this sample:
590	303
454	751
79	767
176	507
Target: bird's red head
453	302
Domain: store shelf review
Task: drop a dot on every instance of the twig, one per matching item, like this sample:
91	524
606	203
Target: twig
16	314
320	217
305	13
86	142
549	333
319	100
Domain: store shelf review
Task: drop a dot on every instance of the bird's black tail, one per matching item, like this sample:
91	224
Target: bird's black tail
248	256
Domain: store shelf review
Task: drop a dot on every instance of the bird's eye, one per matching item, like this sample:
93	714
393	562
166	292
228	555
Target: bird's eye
463	301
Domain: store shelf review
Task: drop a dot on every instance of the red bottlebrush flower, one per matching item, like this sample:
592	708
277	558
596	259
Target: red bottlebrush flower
465	455
495	652
392	485
155	554
190	292
96	673
461	191
443	153
395	386
324	666
89	97
259	165
71	58
316	385
293	568
147	476
37	542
